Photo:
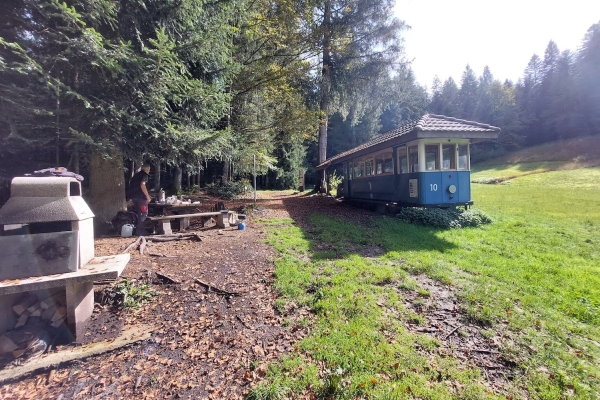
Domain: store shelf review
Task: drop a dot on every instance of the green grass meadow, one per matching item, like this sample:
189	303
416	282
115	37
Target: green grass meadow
531	279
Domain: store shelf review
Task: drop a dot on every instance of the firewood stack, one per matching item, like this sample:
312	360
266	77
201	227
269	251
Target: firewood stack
30	335
52	309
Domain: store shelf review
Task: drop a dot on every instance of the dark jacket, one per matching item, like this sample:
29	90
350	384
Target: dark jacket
134	192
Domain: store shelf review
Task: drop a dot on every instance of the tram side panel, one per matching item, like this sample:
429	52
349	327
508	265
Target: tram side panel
464	186
373	188
407	188
434	188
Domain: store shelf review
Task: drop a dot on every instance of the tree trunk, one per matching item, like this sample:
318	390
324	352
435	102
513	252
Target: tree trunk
177	179
325	93
200	174
188	176
107	188
225	174
157	185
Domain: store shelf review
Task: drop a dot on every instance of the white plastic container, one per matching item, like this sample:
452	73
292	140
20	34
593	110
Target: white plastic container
127	230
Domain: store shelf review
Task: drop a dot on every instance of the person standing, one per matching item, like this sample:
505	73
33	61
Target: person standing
138	192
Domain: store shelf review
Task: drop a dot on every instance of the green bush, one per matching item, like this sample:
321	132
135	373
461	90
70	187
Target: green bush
444	218
227	190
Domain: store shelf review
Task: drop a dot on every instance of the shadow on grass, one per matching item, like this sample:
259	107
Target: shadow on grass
335	230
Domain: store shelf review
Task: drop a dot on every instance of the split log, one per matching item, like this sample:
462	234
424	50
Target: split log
22	319
24	303
7	345
36	313
48	313
59	298
58	322
217	290
34	307
60	313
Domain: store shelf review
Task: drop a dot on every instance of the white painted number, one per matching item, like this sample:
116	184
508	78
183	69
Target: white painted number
433	187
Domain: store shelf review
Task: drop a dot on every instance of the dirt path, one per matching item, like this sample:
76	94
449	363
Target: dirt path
204	344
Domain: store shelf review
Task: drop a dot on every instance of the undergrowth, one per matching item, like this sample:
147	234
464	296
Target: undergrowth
227	190
444	218
127	293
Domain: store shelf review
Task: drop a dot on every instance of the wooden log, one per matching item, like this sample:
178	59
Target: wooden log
24	303
7	345
60	312
59	298
36	313
34	307
48	313
22	319
58	322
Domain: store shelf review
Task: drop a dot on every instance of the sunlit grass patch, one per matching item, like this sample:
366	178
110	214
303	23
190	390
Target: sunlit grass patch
501	173
532	280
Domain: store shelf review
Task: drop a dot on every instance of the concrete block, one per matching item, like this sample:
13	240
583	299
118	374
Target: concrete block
24	256
223	220
80	305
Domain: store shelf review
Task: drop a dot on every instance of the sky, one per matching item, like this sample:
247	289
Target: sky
446	35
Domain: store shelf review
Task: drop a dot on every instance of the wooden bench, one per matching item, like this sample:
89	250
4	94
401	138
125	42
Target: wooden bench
164	222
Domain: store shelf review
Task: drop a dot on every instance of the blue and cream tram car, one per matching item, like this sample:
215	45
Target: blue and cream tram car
423	163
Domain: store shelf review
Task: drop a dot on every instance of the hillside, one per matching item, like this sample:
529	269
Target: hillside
573	153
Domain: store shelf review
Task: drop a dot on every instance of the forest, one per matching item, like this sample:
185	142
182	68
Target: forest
205	90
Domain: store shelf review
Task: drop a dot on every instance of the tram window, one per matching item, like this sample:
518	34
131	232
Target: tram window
378	166
369	167
431	157
388	164
463	157
403	163
413	159
358	169
448	156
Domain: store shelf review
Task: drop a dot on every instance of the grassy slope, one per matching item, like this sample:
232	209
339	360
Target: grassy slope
533	277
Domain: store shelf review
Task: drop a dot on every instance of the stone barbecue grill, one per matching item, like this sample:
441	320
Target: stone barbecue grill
47	247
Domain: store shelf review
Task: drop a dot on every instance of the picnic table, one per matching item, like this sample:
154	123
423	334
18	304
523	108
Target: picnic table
156	209
163	222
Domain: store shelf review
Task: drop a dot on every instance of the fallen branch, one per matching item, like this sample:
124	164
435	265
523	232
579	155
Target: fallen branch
242	322
217	290
158	254
133	245
170	238
451	332
142	245
166	278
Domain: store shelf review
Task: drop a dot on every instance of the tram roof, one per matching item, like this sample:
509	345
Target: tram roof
428	126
